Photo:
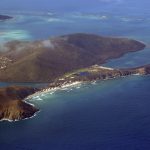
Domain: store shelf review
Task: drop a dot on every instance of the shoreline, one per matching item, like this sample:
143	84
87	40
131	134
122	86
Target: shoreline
26	100
93	82
46	90
12	121
17	120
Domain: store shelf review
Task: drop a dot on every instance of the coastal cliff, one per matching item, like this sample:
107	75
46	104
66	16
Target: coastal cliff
12	104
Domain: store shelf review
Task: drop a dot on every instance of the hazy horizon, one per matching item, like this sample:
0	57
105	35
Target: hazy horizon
75	5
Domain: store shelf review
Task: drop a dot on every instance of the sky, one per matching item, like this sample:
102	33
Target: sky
55	4
75	5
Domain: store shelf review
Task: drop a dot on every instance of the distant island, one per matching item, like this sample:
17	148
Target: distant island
59	61
5	17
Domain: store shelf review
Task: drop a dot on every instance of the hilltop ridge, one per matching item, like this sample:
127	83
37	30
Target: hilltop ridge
44	61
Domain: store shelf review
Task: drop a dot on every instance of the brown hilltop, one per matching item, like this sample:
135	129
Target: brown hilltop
44	61
12	106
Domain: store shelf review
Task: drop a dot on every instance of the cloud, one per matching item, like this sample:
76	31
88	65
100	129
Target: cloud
48	44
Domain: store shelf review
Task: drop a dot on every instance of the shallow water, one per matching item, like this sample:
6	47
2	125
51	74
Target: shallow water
43	25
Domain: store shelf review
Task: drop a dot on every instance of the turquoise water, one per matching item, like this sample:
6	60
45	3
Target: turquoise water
43	25
108	115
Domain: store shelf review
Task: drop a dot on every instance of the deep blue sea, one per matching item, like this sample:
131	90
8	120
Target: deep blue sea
107	115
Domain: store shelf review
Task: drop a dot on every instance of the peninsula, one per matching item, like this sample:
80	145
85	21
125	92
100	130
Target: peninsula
97	73
12	104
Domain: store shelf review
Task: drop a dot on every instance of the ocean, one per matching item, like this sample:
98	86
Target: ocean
106	115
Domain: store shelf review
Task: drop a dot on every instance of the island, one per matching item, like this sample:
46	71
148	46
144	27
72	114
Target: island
44	61
59	61
5	17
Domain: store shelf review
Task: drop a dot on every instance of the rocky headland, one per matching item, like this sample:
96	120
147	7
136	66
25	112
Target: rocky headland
13	106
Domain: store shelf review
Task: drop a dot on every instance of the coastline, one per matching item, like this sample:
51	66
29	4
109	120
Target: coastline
74	78
72	84
47	90
26	100
68	85
11	121
13	104
17	120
